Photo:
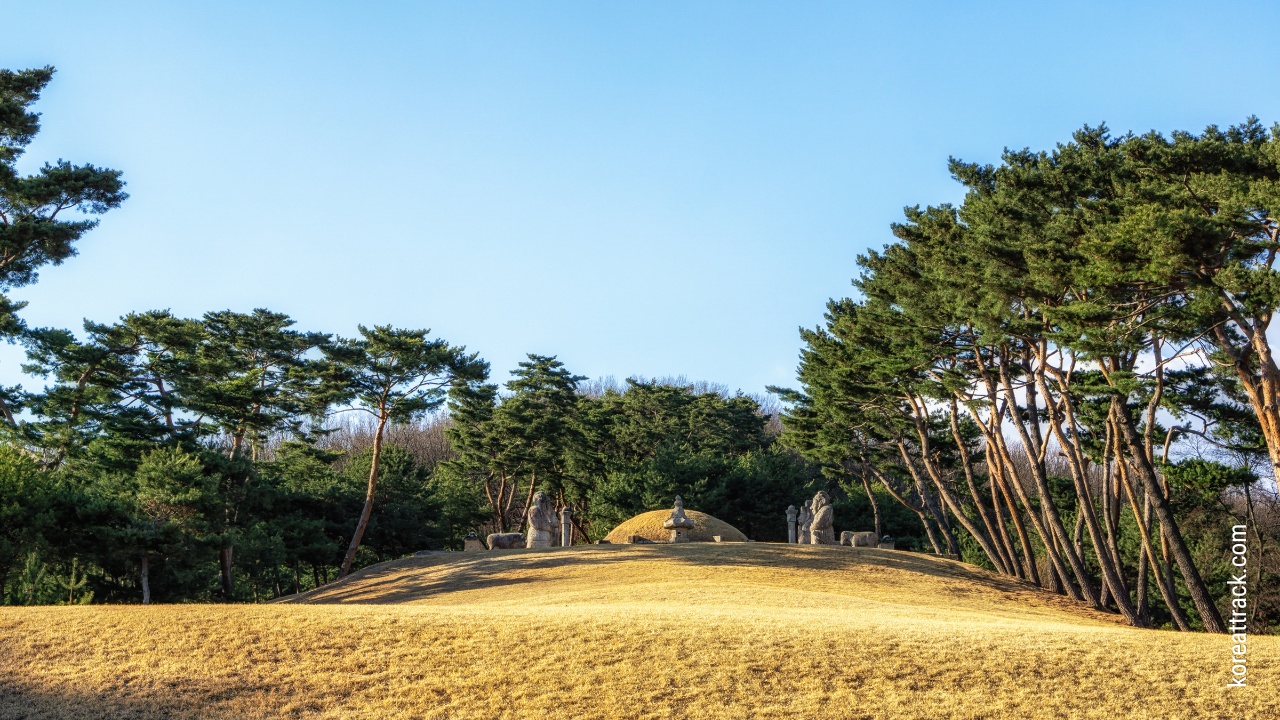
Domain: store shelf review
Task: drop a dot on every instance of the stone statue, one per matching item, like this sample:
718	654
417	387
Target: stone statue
806	517
866	538
679	524
791	524
542	521
566	527
820	528
505	541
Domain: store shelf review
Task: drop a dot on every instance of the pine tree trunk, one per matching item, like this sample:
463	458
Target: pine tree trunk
875	505
1262	385
917	509
1148	557
1052	519
370	494
1005	502
1168	524
1144	578
929	502
991	542
224	563
146	580
1000	481
1048	539
1070	443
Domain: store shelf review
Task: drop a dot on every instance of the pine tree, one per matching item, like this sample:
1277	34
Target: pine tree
34	229
397	375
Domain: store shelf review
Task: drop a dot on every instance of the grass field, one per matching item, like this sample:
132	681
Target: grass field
647	631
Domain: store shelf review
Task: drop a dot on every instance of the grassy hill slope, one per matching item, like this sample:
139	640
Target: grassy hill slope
645	631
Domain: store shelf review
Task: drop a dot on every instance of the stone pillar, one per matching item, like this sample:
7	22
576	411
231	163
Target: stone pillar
791	524
566	527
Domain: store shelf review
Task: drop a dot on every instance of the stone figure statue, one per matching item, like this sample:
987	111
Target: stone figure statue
806	517
791	524
542	521
821	531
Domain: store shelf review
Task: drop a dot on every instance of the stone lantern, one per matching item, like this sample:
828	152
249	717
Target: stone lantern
679	524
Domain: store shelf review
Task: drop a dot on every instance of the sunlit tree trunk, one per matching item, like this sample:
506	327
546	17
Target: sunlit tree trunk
369	496
1168	524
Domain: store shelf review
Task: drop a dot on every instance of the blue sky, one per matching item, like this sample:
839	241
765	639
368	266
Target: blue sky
639	188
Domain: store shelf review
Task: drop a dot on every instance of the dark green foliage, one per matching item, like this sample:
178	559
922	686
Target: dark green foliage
624	451
406	511
654	441
1072	303
26	514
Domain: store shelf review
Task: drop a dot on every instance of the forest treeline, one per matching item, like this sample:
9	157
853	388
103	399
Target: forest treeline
1066	379
1069	376
234	457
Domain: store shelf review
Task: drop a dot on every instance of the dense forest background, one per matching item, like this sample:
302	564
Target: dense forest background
1067	379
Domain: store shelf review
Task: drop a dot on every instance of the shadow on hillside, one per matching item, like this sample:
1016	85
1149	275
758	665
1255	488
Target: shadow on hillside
417	578
22	701
829	557
397	582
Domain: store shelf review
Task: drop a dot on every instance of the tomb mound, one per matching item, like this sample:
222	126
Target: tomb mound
649	527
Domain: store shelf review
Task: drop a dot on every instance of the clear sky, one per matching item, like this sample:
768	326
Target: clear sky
640	188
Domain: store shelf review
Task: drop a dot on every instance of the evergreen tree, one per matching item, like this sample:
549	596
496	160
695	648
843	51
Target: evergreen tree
396	375
34	229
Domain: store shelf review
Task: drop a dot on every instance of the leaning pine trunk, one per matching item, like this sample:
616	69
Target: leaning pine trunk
917	509
368	498
1010	568
1168	525
929	502
1259	376
1051	518
875	504
1069	441
1148	555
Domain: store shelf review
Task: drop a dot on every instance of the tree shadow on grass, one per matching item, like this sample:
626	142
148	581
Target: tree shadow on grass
420	577
24	700
416	578
841	557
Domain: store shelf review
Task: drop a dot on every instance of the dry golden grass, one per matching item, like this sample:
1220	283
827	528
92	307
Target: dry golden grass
649	526
631	631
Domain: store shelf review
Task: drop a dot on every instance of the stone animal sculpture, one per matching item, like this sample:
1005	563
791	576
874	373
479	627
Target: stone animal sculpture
542	521
505	541
864	539
820	529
